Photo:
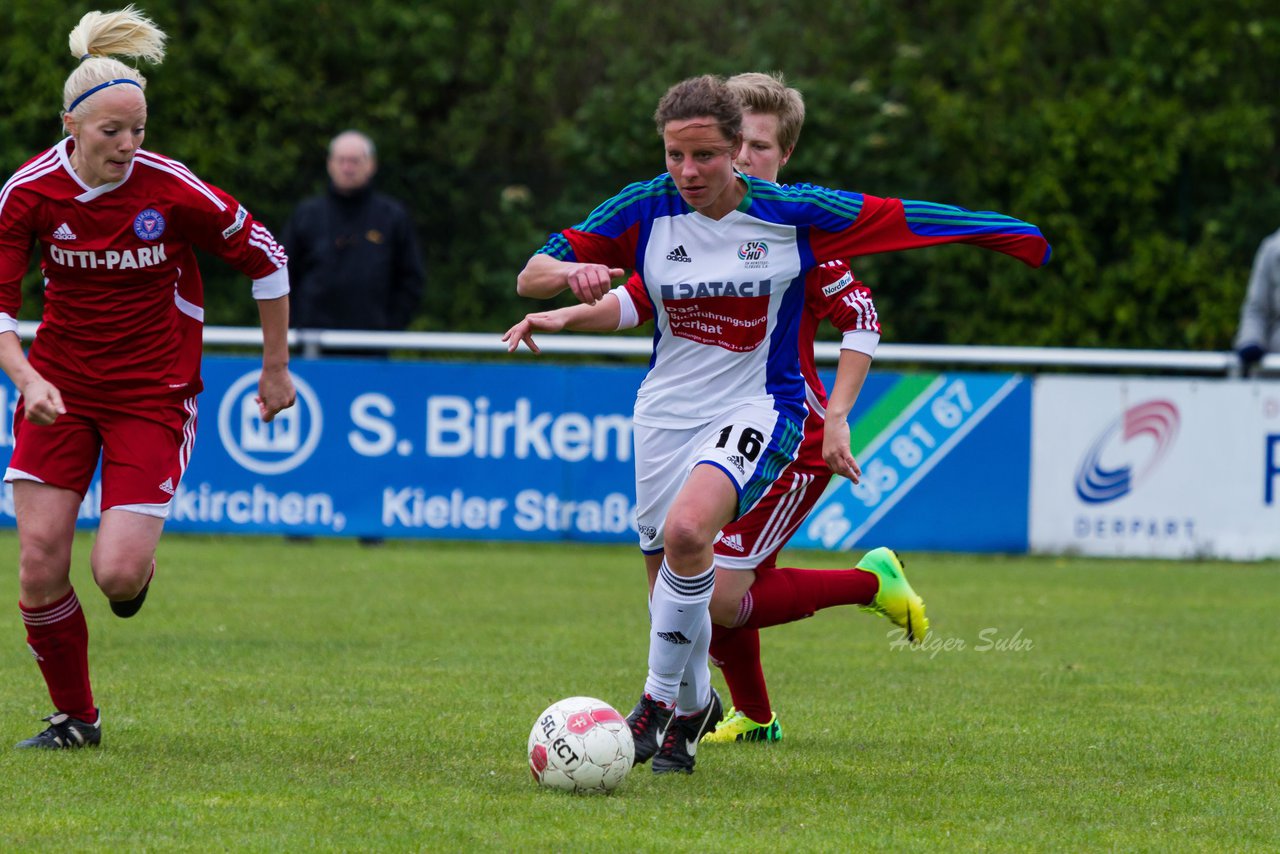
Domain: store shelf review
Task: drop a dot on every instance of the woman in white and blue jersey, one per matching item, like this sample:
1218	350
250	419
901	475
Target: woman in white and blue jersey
722	259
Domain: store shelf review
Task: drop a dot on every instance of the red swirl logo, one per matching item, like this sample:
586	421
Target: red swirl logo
1136	441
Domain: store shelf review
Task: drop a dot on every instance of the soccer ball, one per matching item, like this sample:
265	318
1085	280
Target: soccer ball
581	744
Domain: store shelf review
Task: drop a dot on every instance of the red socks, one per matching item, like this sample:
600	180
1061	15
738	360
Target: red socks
784	595
779	595
59	639
737	652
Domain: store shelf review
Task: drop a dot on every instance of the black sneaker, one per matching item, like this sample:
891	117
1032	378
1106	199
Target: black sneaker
129	607
680	744
647	721
65	732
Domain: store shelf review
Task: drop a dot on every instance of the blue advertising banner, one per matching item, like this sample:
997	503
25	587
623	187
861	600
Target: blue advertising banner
542	451
408	449
946	461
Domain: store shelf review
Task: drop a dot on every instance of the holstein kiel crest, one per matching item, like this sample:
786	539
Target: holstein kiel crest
149	224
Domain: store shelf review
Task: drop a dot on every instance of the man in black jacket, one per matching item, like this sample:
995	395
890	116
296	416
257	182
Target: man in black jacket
354	261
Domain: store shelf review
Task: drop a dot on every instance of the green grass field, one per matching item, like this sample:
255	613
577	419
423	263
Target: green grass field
278	696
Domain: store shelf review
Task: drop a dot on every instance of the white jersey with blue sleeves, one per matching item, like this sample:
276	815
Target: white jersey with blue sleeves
726	295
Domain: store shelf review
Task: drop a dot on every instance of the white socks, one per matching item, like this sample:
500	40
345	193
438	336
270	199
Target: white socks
679	638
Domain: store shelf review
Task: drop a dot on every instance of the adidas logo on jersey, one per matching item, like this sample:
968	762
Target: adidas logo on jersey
733	541
64	232
678	254
167	486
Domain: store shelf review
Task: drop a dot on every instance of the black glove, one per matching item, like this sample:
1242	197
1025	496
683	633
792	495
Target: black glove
1250	355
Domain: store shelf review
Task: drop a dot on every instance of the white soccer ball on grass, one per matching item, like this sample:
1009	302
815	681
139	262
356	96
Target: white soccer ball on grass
581	744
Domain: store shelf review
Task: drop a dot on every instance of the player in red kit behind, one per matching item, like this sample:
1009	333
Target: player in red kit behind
115	367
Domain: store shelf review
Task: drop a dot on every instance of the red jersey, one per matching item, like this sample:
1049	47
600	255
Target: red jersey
123	298
831	292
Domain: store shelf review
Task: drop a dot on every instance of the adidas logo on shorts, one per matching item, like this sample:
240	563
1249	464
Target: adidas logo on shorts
739	463
733	541
64	232
678	254
167	486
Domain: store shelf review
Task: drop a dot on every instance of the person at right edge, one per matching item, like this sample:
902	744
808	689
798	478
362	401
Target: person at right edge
1259	332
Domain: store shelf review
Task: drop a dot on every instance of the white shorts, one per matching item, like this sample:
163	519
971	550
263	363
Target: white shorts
752	445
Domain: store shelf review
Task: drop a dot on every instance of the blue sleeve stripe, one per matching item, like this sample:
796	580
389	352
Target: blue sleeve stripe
920	204
976	222
557	246
848	205
915	209
630	195
927	212
950	229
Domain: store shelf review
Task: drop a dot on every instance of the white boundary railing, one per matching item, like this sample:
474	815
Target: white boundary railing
314	342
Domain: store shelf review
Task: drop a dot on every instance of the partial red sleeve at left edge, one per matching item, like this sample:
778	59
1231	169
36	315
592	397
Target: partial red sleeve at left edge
16	242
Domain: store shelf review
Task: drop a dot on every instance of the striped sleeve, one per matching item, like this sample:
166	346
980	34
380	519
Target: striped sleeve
832	292
612	232
17	235
846	224
890	225
218	224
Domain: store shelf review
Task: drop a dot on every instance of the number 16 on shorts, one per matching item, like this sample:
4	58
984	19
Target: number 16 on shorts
753	446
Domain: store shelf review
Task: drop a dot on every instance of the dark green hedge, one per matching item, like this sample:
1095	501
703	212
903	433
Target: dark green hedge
1143	140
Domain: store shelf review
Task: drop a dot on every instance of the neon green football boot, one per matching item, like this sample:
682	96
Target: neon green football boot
895	598
738	727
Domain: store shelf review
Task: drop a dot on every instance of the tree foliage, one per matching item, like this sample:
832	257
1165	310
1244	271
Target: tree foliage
1142	139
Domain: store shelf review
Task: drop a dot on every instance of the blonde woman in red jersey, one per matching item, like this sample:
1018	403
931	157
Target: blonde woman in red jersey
115	367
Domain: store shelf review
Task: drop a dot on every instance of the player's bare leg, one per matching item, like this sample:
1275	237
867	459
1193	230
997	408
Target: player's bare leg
46	526
123	558
706	503
731	586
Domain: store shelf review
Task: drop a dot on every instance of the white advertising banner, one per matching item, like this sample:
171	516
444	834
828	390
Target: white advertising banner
1155	468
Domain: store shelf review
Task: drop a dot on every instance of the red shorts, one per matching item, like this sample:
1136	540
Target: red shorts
754	539
145	447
